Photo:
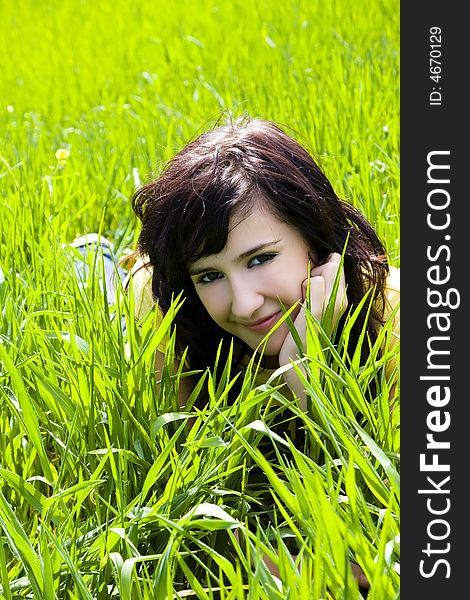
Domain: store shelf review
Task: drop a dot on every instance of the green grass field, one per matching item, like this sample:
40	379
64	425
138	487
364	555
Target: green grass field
105	493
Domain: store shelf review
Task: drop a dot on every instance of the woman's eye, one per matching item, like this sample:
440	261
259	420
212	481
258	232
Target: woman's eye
261	259
209	277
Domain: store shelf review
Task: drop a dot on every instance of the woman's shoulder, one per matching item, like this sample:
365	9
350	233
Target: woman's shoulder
139	280
393	279
392	303
392	289
141	275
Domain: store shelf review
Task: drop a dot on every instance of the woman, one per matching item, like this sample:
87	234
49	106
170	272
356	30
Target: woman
243	222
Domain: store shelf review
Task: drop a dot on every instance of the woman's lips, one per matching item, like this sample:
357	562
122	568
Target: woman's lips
264	324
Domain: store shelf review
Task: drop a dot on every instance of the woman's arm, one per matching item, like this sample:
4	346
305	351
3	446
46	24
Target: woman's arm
321	285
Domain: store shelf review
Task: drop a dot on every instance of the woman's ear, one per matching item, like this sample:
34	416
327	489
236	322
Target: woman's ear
313	258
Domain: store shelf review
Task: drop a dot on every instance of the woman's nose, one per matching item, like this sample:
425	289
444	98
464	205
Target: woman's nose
246	300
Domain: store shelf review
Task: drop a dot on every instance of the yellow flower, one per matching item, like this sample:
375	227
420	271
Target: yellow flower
62	155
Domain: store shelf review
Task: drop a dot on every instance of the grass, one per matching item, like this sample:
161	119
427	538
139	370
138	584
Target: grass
105	492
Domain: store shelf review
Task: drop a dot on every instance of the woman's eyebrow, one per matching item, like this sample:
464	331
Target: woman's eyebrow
256	249
205	269
198	270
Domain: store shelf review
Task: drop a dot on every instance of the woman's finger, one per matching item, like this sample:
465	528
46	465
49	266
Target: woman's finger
317	291
322	282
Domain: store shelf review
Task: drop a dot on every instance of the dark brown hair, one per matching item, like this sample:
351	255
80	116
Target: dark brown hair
185	215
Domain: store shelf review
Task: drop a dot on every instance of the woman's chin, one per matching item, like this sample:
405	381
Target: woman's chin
272	346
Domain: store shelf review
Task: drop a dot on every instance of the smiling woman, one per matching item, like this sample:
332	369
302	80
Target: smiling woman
261	269
243	222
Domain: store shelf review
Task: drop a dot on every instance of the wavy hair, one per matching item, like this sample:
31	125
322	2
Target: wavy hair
185	214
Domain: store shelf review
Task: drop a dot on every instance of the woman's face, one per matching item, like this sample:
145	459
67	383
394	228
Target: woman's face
261	269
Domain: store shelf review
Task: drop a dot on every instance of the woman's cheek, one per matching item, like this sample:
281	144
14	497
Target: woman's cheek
212	300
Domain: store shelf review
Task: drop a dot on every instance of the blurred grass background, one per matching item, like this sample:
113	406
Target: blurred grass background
124	85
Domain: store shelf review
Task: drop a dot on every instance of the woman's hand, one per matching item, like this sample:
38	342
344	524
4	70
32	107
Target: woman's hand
321	282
